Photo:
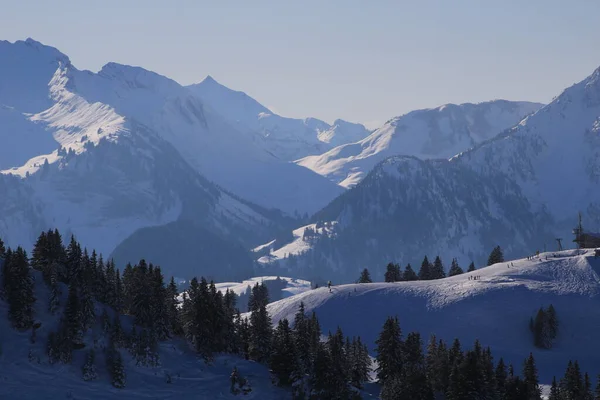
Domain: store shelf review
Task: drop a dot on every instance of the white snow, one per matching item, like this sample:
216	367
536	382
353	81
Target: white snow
297	246
431	133
494	309
293	286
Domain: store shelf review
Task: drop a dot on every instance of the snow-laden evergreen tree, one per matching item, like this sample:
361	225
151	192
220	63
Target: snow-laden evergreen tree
283	356
116	369
389	351
531	380
455	269
89	368
437	271
239	384
18	288
359	363
409	274
365	277
117	336
425	271
496	256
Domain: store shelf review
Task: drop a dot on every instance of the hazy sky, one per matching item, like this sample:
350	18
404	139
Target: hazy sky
364	61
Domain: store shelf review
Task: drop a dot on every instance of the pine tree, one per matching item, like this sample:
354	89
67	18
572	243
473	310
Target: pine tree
321	375
572	385
301	334
116	369
18	288
89	368
551	324
597	391
554	391
283	356
530	378
2	249
437	269
413	375
260	334
471	267
496	256
587	388
501	377
365	277
455	269
171	307
54	300
359	362
409	274
392	273
425	271
389	351
73	316
73	261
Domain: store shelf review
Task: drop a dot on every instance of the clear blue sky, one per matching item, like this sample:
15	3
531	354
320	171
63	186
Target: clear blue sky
364	61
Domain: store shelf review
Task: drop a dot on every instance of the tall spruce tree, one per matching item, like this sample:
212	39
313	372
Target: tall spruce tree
18	288
425	271
455	269
437	269
365	277
393	273
409	274
531	380
283	356
496	256
389	351
471	267
554	390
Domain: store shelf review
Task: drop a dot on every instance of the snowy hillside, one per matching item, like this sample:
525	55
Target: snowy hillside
286	138
494	309
431	133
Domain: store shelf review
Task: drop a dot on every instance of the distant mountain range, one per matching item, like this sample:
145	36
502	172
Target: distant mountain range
195	177
520	189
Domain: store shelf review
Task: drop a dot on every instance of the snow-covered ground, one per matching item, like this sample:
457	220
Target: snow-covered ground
191	376
300	243
292	287
494	309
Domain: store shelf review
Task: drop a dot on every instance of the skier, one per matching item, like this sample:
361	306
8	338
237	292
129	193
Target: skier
329	286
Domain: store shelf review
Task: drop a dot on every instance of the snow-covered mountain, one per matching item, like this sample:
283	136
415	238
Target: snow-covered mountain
495	309
430	133
286	138
95	106
521	190
115	158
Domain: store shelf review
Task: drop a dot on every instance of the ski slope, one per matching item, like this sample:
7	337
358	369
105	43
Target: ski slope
494	309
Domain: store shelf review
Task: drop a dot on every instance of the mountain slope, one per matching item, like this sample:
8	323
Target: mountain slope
431	133
286	138
520	189
97	171
494	309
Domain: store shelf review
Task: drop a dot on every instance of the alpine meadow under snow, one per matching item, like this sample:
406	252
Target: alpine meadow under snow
267	222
